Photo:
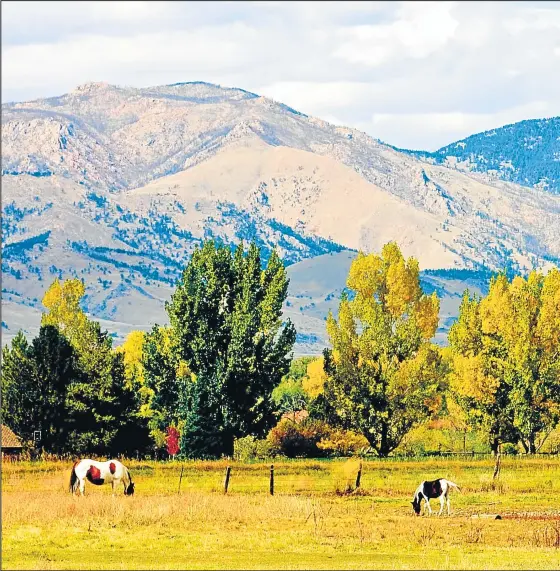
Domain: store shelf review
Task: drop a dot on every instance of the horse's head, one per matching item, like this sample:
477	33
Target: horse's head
416	505
129	489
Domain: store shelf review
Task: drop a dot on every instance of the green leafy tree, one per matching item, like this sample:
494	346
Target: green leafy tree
225	318
290	395
383	376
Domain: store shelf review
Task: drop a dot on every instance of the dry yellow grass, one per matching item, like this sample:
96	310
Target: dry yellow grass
305	525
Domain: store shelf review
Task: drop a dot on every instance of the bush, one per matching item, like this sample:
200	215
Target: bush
509	449
343	443
293	439
311	438
250	448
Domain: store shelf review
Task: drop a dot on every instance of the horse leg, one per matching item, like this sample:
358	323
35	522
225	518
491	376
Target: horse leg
448	508
442	503
113	487
82	486
429	506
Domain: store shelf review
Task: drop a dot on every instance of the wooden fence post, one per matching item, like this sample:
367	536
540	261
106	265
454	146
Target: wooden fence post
359	476
272	479
180	479
226	481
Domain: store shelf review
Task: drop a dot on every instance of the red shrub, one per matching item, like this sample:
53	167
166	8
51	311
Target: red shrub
172	440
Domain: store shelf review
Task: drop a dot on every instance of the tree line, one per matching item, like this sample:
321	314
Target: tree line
222	370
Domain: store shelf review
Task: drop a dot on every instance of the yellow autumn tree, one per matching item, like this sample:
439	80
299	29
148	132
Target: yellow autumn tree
92	345
383	375
132	352
314	381
506	359
62	301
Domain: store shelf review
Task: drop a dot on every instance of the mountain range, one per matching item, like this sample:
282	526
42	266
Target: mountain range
118	185
527	153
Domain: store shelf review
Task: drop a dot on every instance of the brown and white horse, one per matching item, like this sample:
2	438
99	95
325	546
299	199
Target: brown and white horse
111	472
430	490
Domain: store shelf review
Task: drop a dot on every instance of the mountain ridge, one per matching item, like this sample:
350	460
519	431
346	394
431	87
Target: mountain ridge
117	185
500	151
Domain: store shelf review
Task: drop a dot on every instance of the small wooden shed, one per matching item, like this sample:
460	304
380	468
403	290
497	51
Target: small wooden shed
11	444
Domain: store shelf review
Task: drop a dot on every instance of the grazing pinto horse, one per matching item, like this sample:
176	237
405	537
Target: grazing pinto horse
99	473
435	489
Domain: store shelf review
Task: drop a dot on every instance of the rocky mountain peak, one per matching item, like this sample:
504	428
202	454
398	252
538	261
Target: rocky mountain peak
117	186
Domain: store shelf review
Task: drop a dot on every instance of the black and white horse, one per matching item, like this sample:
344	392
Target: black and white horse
111	472
431	490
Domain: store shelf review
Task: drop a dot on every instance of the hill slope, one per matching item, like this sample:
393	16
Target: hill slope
527	153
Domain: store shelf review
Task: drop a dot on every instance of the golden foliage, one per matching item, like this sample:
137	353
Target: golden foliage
132	350
62	300
343	442
468	379
313	383
386	374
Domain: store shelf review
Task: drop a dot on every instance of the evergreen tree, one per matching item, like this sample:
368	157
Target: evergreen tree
101	404
36	379
56	370
92	402
21	399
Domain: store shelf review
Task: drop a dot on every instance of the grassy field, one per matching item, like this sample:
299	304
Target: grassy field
308	523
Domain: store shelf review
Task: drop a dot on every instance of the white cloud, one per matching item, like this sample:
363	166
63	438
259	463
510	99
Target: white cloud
319	96
421	28
415	74
449	127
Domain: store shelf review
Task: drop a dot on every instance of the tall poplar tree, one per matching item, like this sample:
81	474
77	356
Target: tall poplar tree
506	359
233	349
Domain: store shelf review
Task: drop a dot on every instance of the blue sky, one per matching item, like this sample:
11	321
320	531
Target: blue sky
416	75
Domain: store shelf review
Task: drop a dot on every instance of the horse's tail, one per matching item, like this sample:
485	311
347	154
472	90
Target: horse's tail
453	485
73	479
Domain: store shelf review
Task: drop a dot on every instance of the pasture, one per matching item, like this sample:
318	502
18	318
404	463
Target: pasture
308	523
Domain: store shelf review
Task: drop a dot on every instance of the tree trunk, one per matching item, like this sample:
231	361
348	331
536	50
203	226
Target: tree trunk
532	445
384	448
227	444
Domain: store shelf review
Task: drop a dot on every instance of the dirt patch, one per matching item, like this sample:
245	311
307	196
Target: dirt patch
555	516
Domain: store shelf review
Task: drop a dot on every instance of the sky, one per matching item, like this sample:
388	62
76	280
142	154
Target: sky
416	75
